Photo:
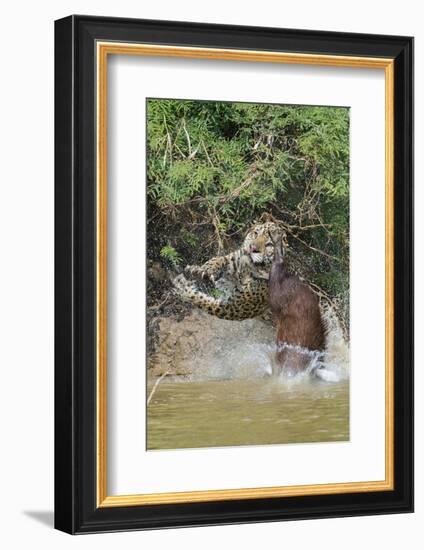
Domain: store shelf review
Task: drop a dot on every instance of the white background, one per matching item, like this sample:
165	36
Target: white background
131	80
26	289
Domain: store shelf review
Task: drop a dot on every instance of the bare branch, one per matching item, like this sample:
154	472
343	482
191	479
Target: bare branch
206	152
215	221
187	136
158	381
292	232
308	227
312	247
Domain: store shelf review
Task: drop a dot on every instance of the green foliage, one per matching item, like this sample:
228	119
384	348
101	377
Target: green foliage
215	292
169	253
213	168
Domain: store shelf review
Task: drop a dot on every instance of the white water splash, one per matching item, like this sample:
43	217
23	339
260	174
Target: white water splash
257	360
248	359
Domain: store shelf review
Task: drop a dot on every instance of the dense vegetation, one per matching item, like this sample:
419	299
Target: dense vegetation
213	168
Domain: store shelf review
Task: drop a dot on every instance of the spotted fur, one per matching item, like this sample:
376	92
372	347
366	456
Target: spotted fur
240	278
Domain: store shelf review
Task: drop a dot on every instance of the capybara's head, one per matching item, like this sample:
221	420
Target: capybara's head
279	241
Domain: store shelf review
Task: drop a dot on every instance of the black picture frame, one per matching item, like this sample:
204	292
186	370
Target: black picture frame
76	508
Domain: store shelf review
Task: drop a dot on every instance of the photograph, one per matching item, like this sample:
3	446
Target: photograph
247	267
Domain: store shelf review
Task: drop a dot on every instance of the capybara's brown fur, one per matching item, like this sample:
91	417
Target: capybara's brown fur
296	313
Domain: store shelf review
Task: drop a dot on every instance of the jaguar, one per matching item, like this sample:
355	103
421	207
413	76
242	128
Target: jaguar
238	280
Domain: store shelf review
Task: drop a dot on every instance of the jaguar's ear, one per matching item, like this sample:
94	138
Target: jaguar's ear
267	217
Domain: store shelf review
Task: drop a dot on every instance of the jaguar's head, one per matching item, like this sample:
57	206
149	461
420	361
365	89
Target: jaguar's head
259	244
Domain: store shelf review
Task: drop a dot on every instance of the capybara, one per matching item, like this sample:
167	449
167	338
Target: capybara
296	313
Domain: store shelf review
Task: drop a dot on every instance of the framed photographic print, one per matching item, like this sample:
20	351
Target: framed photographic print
234	269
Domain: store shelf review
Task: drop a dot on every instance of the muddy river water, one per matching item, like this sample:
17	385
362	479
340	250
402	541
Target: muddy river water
246	411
